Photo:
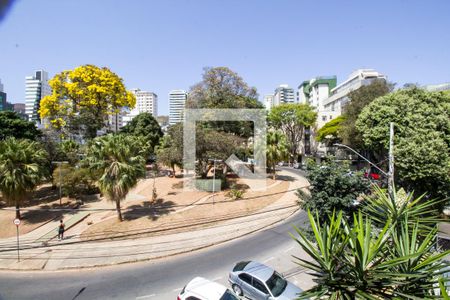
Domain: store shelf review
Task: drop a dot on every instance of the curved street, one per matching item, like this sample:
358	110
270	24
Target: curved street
164	278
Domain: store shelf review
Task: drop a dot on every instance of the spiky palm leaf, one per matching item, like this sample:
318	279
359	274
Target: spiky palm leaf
121	162
21	169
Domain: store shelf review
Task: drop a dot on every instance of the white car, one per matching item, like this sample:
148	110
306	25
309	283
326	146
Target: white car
203	289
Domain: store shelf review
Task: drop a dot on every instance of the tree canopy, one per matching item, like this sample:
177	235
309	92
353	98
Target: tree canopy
83	98
292	119
12	125
22	168
222	88
330	132
333	188
358	99
146	126
422	137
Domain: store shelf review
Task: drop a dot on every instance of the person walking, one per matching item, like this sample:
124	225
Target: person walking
61	230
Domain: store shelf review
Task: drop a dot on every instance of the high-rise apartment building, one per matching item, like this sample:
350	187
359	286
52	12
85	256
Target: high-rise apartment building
283	94
339	95
3	103
177	102
268	101
36	88
145	102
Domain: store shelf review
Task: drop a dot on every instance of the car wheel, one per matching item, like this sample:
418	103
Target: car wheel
237	289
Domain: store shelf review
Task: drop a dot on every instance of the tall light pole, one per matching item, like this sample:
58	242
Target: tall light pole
390	174
59	163
214	176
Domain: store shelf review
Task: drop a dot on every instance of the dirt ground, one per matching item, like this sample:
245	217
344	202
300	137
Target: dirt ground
162	214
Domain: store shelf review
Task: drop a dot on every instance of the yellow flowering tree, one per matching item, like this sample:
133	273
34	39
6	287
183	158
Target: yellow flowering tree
83	98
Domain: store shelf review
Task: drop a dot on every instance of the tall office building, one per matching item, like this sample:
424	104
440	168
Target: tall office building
268	101
36	88
283	94
145	102
339	95
177	102
3	103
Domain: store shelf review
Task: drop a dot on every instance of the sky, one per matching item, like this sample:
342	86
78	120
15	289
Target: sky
163	45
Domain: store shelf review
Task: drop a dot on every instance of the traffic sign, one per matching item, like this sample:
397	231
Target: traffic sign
16	222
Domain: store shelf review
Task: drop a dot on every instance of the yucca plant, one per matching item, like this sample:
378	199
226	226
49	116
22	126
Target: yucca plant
360	261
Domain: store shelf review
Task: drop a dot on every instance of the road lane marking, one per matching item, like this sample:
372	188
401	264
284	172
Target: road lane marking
218	278
145	297
269	259
176	290
288	249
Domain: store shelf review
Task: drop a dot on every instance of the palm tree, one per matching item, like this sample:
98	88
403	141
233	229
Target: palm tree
22	167
121	163
277	149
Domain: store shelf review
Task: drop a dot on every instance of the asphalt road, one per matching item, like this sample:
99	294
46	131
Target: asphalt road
161	279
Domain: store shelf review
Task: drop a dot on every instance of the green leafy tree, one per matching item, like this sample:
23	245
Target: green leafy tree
359	260
358	99
222	88
330	132
170	150
145	126
422	137
83	98
12	125
276	149
22	168
292	119
333	188
119	160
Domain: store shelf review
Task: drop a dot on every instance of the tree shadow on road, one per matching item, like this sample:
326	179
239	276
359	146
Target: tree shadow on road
152	210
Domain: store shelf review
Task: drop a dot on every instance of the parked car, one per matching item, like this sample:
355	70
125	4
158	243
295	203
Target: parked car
257	281
372	174
203	289
282	164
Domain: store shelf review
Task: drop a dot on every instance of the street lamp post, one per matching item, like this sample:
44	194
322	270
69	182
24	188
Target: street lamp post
59	163
390	174
214	177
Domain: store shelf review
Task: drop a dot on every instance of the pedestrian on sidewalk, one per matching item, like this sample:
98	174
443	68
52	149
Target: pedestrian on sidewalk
61	230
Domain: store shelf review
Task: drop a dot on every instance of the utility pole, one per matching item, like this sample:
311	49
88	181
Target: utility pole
391	161
214	180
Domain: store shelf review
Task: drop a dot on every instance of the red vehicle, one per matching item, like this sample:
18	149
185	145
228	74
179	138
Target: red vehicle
372	174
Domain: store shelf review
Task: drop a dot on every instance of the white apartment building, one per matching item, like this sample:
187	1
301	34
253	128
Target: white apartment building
268	101
339	95
314	92
433	87
36	88
283	94
145	102
177	102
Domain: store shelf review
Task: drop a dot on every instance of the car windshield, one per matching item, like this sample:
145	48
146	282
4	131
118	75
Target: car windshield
276	284
228	295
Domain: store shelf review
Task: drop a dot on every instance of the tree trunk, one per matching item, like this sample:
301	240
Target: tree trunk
274	172
17	211
119	212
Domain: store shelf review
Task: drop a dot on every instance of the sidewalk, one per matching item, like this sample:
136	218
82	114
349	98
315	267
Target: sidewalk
74	253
